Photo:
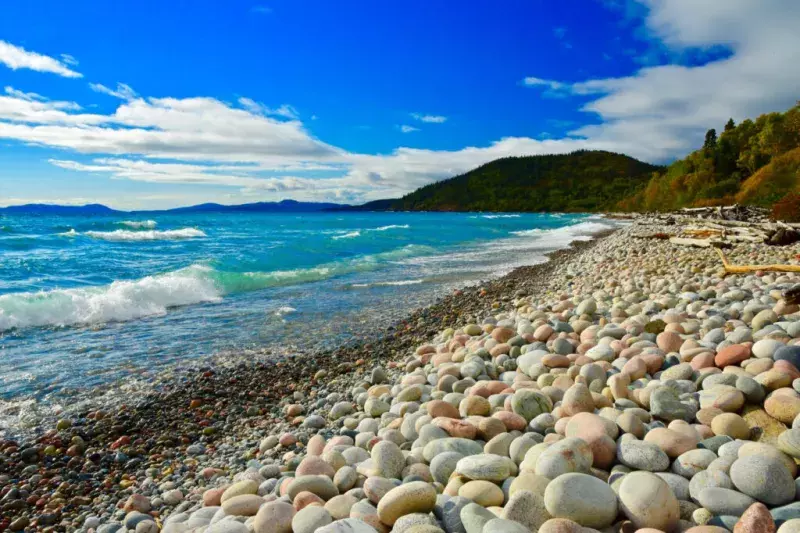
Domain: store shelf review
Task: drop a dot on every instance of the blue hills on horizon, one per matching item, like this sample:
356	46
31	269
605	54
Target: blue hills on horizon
284	206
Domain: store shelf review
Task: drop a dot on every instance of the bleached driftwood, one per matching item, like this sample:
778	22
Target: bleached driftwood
748	269
696	243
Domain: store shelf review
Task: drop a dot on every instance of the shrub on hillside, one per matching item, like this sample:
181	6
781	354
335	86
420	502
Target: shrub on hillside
788	208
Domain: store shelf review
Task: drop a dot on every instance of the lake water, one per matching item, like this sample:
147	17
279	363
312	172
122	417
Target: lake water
89	301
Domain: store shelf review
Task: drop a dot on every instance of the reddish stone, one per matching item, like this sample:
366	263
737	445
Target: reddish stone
732	355
487	388
502	335
756	519
702	360
786	367
122	441
512	421
287	439
456	428
669	341
305	498
212	497
440	408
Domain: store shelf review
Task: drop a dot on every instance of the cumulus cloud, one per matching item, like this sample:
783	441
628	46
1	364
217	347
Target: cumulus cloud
662	112
433	119
182	129
405	128
15	57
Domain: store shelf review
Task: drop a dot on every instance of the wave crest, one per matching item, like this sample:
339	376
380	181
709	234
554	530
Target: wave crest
357	233
139	224
392	226
350	235
117	302
123	235
581	229
155	295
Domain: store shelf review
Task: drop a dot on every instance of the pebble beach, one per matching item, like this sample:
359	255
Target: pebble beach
625	385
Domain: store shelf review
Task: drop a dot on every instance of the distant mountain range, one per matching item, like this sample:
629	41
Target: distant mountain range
284	206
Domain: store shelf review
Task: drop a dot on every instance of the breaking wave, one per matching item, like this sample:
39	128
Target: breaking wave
139	224
566	234
347	235
123	235
155	295
357	233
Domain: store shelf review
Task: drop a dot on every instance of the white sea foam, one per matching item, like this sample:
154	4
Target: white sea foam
399	283
70	233
119	301
350	235
580	231
155	295
122	235
391	226
285	310
139	224
525	247
358	232
500	216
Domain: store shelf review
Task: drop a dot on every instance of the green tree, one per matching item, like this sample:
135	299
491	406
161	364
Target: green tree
730	125
710	143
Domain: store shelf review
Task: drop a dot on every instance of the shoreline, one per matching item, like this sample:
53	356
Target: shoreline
107	396
168	409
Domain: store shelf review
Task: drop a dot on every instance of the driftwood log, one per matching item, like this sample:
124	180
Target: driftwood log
748	269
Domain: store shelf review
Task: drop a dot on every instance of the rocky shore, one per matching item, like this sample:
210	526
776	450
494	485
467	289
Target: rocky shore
625	385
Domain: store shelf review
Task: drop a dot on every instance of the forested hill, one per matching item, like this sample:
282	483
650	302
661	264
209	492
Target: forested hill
580	181
756	162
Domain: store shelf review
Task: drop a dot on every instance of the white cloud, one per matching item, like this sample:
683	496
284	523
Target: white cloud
405	128
123	91
662	112
433	119
15	57
552	88
200	129
22	95
69	60
285	110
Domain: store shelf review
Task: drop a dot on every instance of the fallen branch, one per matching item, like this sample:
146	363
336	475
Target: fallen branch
747	269
659	236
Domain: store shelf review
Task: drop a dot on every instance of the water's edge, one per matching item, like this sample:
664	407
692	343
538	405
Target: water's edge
27	417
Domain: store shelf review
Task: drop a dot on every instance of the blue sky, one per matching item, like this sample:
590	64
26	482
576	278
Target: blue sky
357	100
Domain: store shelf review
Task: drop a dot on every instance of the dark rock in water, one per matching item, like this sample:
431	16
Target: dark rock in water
783	237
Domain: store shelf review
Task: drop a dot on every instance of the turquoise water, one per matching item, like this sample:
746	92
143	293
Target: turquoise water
85	301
